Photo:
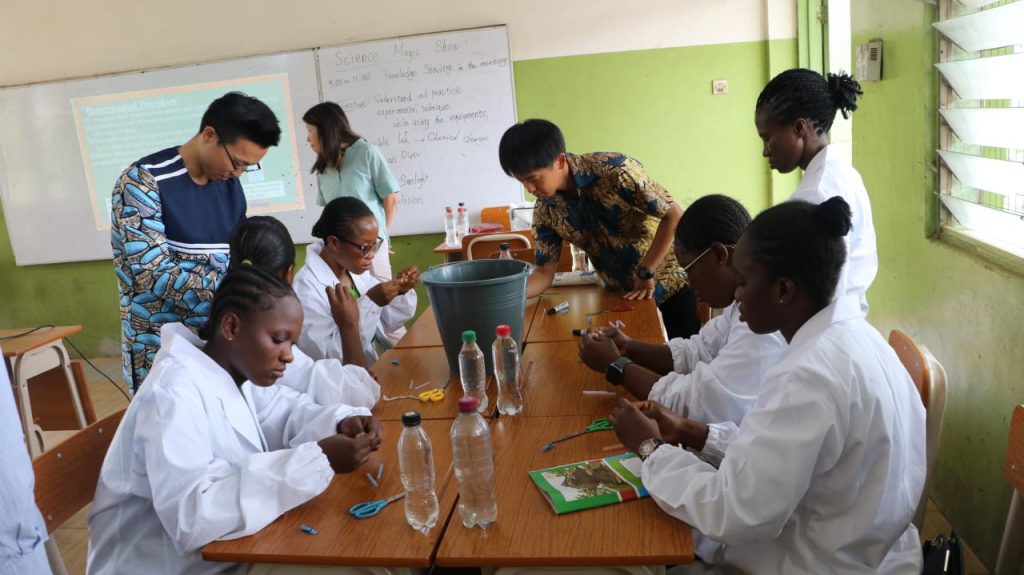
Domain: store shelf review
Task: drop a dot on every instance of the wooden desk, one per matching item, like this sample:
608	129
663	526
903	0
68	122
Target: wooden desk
382	541
642	323
424	332
557	380
451	254
420	365
33	354
529	533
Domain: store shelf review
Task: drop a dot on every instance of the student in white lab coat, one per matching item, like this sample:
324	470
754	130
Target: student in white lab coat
793	116
22	531
715	375
824	473
200	457
341	262
264	242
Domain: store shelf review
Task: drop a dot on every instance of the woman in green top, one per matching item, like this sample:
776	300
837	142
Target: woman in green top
348	165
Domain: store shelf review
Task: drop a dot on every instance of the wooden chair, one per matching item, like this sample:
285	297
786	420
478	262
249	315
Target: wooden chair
529	255
479	246
930	379
66	478
1011	550
496	215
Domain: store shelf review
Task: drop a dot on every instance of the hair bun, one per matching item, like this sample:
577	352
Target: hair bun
834	216
845	91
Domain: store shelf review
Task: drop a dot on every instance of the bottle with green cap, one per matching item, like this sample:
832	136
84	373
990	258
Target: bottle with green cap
473	370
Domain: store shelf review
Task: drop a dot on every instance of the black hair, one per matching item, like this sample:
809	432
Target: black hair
263	242
236	115
801	93
334	132
244	289
530	146
804	242
339	217
710	219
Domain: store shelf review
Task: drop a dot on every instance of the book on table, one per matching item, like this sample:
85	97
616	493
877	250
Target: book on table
592	483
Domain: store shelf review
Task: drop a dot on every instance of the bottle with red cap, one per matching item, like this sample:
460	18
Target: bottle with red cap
505	354
474	466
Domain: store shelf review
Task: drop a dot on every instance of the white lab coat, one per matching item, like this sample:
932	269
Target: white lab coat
830	174
718	371
22	531
824	473
320	335
197	459
328	382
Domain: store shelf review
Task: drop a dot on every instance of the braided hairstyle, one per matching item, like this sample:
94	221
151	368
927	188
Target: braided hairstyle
804	242
263	242
801	93
710	219
339	217
244	289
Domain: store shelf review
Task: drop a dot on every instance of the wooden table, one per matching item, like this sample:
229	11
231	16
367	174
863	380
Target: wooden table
529	533
451	254
33	354
557	381
643	322
385	540
424	332
419	365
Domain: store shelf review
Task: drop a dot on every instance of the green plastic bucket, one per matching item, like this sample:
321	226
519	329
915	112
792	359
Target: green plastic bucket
479	295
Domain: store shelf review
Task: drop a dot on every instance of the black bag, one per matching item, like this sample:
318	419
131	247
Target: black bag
942	556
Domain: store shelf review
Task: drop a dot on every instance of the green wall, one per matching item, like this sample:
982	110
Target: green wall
967	312
655	105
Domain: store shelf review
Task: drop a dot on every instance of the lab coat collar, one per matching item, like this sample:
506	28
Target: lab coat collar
321	271
179	341
841	309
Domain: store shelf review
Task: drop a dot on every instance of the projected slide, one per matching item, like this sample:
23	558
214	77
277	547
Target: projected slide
114	130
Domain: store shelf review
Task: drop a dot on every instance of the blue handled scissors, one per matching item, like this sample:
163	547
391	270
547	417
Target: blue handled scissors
601	424
368	509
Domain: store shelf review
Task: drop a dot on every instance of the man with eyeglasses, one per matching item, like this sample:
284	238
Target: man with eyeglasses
172	213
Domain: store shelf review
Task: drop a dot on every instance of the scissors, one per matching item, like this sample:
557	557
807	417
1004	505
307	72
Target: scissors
368	509
601	424
435	395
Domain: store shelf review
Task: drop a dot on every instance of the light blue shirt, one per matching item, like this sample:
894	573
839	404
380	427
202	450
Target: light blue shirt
365	175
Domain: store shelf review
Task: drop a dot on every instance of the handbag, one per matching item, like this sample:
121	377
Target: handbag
943	556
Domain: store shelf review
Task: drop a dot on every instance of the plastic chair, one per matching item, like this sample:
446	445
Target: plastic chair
930	379
1011	550
66	478
496	215
478	246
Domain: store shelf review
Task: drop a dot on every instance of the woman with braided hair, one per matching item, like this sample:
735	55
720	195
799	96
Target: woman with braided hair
793	116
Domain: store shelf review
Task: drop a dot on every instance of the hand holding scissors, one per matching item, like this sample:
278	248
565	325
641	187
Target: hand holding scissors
368	509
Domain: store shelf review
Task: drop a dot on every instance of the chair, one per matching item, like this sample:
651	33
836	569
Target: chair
1011	550
496	215
930	379
66	478
479	246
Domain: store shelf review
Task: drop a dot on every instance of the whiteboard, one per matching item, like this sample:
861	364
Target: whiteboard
437	106
56	197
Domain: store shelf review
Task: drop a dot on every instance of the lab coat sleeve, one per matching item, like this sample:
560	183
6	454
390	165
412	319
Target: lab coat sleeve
200	498
289	418
328	382
391	317
400	310
701	347
320	335
763	477
720	437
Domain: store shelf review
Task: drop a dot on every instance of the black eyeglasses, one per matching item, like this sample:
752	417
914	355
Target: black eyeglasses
365	249
239	167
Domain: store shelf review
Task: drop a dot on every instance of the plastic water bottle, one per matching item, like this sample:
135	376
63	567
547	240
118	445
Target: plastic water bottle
473	370
461	223
505	353
506	252
450	236
416	461
474	466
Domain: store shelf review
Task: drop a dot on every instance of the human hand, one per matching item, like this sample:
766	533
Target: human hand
346	453
597	351
359	425
619	337
344	306
631	425
642	289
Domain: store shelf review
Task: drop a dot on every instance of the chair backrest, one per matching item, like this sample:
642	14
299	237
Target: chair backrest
529	255
1011	551
479	246
66	475
496	215
912	359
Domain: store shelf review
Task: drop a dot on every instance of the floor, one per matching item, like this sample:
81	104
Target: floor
72	538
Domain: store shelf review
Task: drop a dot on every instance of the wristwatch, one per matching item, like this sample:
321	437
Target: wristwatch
648	447
644	273
616	370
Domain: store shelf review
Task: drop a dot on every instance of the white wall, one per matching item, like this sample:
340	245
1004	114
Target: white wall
43	40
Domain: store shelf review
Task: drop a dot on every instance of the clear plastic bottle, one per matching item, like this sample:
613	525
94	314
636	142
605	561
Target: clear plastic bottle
473	370
474	466
450	236
416	461
461	223
506	252
505	353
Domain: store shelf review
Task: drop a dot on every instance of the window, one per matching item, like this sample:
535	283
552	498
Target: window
981	111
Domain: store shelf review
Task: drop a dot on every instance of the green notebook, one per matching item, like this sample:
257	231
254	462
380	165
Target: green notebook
591	483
